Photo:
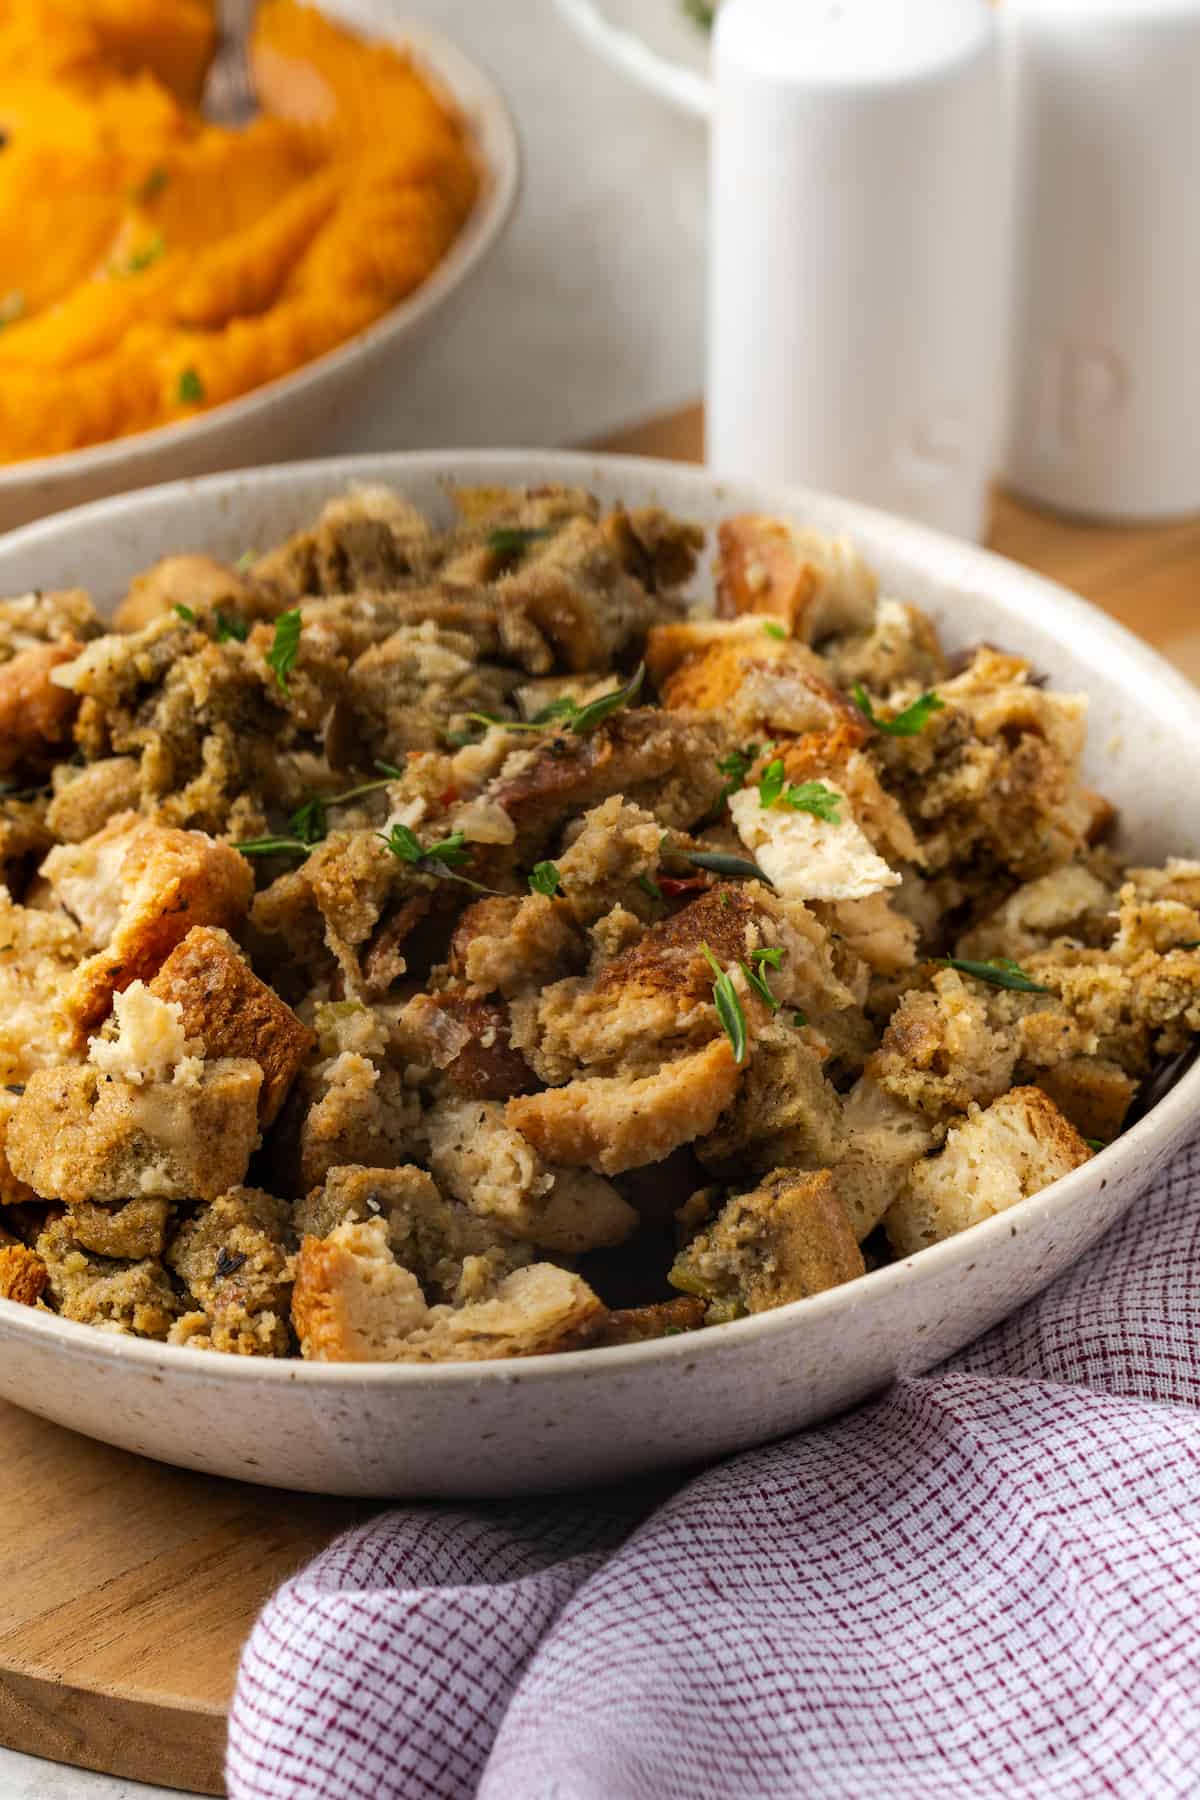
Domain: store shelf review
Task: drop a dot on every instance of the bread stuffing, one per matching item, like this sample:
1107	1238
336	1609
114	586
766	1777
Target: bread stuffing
450	940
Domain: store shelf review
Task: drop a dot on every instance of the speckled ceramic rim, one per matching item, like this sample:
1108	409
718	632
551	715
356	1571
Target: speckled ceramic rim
977	568
494	135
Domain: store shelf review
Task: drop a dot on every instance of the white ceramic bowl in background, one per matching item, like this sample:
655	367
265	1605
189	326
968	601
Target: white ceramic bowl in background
294	415
601	1415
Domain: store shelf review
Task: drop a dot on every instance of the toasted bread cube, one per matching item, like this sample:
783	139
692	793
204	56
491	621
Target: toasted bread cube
131	1229
762	687
39	953
818	585
611	1123
190	580
35	713
789	1238
1015	1147
138	889
77	1136
883	1138
479	1158
1093	1093
23	1274
233	1013
86	799
353	1302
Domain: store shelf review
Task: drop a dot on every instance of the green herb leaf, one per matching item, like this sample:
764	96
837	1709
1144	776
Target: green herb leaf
285	646
649	886
701	12
387	768
759	983
815	798
152	186
770	953
245	562
770	782
999	971
735	767
545	879
595	713
190	389
509	539
737	868
403	843
909	723
142	258
1095	1143
185	612
775	631
1188	944
729	1007
230	626
799	1017
273	846
309	822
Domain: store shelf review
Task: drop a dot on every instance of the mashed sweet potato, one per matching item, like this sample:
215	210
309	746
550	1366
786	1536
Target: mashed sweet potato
152	263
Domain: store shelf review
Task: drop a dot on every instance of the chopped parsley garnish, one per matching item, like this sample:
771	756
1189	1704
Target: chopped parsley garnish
190	389
586	718
544	878
814	797
775	631
230	626
245	561
799	1017
12	307
738	868
152	186
649	886
185	612
1000	971
1095	1143
735	767
729	1007
509	539
909	723
285	646
310	821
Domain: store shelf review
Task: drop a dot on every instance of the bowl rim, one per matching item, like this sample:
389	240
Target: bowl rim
497	145
683	88
1166	1123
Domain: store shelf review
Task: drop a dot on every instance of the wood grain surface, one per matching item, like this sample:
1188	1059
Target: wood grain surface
129	1587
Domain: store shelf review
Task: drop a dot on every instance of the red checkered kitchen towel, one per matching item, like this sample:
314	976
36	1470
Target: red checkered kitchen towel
984	1583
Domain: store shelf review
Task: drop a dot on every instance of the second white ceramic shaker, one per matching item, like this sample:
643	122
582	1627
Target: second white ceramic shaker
1106	364
858	251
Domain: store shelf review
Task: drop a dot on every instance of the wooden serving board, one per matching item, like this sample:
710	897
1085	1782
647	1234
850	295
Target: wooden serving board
128	1587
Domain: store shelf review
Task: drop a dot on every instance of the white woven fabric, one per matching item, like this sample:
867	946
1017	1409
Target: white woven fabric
985	1583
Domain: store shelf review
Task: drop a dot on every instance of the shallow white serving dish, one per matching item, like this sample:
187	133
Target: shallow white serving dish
294	415
600	1415
655	42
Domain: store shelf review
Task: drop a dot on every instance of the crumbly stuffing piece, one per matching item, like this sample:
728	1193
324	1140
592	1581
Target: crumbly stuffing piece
133	1297
225	1007
235	1258
785	1240
353	1302
477	897
995	1157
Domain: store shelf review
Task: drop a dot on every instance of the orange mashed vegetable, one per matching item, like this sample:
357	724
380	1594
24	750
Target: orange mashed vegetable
152	263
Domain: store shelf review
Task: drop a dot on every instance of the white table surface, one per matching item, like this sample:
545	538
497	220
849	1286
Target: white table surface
588	317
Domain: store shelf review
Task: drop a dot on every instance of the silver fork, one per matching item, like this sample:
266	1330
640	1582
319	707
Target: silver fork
229	96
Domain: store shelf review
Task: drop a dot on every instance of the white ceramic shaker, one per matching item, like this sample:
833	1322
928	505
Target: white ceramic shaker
858	251
1106	363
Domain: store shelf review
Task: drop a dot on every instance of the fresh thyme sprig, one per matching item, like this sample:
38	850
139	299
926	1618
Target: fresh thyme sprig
1000	971
729	1007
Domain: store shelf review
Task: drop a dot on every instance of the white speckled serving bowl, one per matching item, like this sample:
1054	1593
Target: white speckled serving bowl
293	416
599	1415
